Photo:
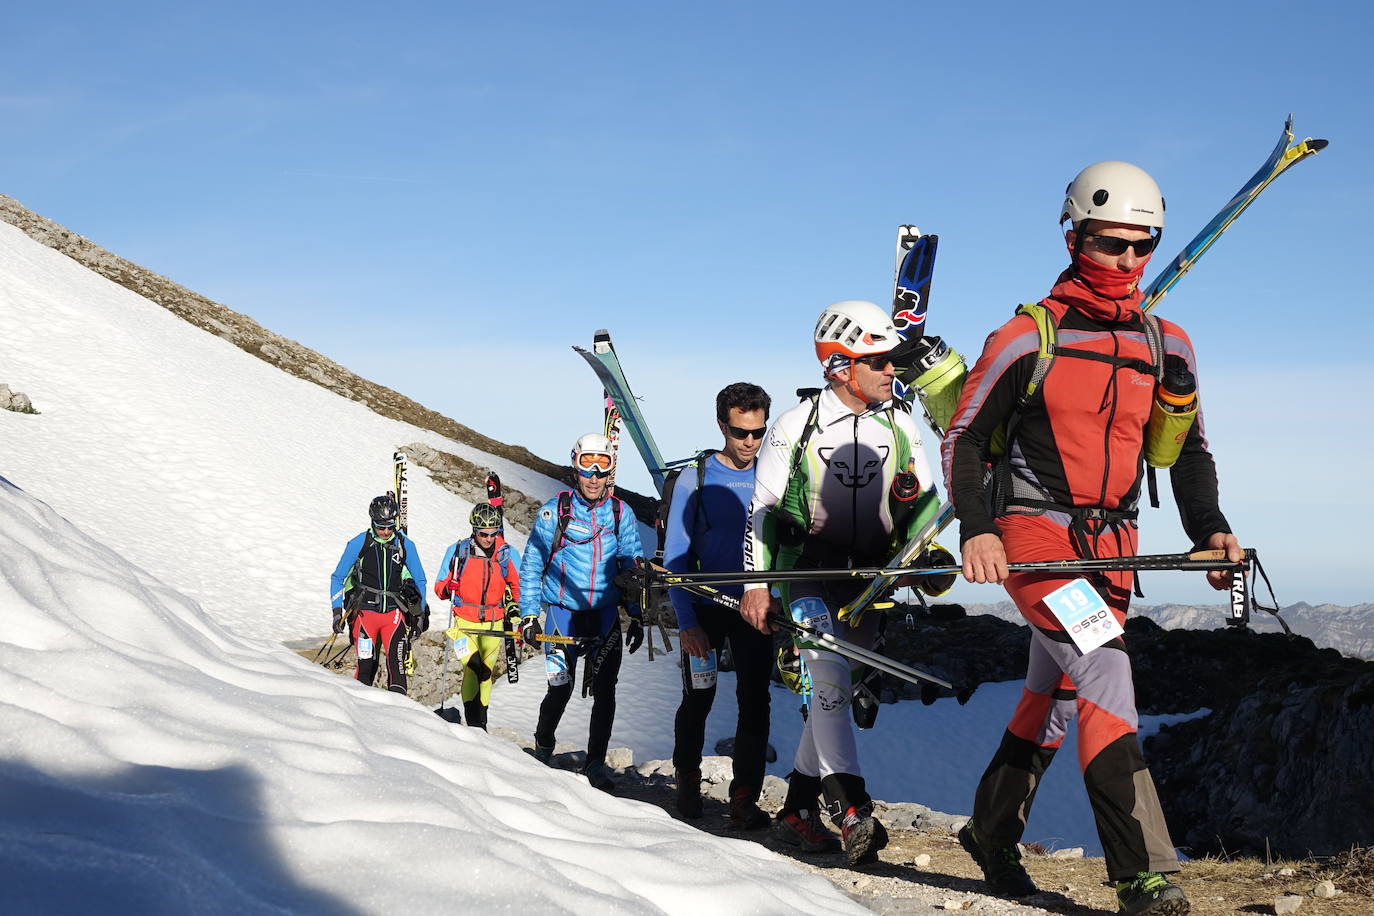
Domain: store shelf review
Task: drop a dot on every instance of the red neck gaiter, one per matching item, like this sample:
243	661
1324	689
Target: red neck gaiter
1107	282
1070	289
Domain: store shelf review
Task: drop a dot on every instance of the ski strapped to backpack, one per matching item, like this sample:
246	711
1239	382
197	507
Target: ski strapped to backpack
604	362
1285	155
402	489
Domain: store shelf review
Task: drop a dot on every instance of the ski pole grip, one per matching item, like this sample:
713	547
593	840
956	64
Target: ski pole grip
1219	556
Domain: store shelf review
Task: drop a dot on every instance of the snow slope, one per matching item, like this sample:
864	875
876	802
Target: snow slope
237	483
157	763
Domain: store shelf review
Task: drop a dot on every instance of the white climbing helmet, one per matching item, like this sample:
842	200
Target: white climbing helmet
592	444
1114	191
852	329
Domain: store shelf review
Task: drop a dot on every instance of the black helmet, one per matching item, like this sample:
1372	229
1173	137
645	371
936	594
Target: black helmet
485	515
383	510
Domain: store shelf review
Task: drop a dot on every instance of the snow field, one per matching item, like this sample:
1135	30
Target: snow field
238	483
159	762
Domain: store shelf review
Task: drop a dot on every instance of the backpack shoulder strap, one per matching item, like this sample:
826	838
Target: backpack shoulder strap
564	516
1049	338
812	421
666	501
1155	338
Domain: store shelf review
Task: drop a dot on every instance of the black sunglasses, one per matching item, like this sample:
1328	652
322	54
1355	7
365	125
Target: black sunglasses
737	432
876	362
1111	245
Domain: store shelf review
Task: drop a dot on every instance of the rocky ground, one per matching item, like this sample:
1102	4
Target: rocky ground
924	871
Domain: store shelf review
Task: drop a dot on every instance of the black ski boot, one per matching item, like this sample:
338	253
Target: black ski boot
689	793
599	775
1002	869
476	714
745	813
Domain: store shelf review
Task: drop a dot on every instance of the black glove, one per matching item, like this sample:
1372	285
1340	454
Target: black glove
530	629
417	623
340	620
634	635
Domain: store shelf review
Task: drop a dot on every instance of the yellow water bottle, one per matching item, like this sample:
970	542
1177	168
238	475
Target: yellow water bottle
1171	414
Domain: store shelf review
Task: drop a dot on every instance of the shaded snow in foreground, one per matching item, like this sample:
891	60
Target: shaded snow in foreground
157	763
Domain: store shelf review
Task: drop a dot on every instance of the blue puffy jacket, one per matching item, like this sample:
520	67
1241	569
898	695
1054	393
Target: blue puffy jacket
581	575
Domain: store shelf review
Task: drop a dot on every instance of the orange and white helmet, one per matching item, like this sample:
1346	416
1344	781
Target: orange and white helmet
853	329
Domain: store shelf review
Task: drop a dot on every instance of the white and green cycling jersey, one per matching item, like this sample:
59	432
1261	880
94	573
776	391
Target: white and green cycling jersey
836	491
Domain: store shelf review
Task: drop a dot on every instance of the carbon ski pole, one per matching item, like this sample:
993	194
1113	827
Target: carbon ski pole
829	641
508	635
1285	155
1201	560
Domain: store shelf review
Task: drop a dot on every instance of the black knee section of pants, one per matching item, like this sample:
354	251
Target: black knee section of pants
1111	783
1002	804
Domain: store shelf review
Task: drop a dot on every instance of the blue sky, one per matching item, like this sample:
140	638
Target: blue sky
446	196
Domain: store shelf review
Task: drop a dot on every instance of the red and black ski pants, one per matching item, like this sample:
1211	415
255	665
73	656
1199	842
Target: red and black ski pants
387	632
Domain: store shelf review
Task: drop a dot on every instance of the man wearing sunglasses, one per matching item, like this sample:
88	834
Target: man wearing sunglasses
1065	486
378	569
581	539
821	501
705	531
481	576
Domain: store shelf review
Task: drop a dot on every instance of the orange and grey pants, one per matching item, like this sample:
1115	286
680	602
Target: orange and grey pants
1062	682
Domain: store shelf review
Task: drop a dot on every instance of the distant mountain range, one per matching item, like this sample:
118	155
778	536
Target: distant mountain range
1348	630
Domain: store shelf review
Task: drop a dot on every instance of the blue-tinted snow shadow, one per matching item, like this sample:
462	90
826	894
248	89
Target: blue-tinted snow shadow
146	840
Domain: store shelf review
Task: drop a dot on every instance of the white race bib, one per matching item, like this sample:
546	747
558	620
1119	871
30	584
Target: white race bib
1085	616
556	669
364	648
702	671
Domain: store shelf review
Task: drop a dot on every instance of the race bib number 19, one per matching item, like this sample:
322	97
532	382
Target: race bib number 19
1085	616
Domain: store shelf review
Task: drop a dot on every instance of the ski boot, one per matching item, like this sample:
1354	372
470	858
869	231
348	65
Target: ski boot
689	793
599	775
745	814
543	753
804	829
1150	893
1002	869
862	835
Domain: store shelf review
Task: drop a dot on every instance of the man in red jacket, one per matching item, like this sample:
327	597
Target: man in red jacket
1065	485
